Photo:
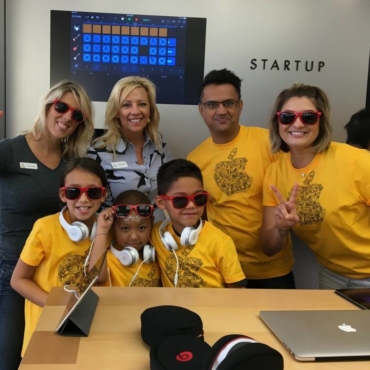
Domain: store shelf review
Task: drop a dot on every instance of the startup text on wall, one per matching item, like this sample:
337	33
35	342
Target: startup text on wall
287	65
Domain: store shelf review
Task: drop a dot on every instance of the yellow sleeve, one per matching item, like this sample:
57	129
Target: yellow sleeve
361	176
269	199
33	251
229	264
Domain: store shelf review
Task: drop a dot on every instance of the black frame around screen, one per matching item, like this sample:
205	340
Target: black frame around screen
60	62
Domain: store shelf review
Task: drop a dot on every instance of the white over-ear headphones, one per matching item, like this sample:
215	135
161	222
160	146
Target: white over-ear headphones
189	236
129	256
78	231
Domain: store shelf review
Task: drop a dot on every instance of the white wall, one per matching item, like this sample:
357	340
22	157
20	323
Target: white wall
334	31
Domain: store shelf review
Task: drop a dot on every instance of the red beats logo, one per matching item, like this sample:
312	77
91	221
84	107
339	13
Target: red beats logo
184	356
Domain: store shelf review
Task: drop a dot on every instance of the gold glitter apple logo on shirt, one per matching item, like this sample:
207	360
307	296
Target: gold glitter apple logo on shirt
307	204
230	175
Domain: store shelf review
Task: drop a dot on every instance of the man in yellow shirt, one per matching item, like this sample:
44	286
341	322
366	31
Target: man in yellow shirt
233	161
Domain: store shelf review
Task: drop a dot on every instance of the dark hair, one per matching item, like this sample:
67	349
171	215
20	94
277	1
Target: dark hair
86	165
174	170
321	102
131	197
222	77
358	129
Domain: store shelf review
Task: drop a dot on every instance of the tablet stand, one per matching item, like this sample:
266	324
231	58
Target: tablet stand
79	323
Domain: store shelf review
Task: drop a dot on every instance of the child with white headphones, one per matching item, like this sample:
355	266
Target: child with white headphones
191	252
130	258
57	247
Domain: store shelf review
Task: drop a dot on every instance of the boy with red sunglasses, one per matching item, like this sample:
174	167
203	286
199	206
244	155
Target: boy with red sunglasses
191	252
131	260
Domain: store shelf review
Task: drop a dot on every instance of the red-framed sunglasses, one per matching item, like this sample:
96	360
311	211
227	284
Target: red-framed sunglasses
307	117
124	210
73	193
62	107
182	201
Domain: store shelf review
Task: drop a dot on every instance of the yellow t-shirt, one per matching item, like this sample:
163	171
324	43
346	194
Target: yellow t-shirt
332	205
211	263
59	262
233	175
119	275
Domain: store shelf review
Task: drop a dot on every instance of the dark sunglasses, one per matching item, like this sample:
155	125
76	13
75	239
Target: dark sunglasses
182	201
308	117
124	210
62	107
73	193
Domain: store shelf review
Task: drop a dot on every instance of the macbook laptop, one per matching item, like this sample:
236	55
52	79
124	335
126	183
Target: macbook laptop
360	297
322	335
82	318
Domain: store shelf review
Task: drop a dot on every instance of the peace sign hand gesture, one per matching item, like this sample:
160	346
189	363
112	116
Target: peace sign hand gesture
285	213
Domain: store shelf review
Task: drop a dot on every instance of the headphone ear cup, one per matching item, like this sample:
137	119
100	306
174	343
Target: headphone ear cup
185	236
129	256
78	231
189	235
148	254
169	242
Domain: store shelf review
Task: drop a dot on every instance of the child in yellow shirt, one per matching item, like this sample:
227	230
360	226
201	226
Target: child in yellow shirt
131	260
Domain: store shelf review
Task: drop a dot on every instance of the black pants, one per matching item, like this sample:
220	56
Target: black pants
280	282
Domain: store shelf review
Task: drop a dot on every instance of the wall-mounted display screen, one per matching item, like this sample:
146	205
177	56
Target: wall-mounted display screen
97	49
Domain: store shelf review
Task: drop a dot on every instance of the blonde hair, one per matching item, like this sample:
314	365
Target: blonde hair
321	102
76	144
121	89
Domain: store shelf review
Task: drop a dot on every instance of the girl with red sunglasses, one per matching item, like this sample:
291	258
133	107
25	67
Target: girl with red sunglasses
58	249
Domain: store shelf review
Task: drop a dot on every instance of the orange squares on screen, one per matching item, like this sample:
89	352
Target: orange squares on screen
116	30
106	29
153	31
125	30
96	28
144	31
163	32
87	28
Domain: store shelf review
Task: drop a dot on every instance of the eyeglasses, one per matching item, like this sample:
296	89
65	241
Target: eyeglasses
124	210
227	104
308	117
73	193
182	201
62	107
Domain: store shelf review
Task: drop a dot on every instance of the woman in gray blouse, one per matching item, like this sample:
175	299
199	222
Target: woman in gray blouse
132	149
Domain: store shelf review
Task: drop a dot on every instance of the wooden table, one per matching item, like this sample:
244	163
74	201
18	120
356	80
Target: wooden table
115	343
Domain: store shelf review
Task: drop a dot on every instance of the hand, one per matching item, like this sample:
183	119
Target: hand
1	113
285	213
105	220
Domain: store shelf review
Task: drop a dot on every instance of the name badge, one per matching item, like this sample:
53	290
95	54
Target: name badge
29	166
121	164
